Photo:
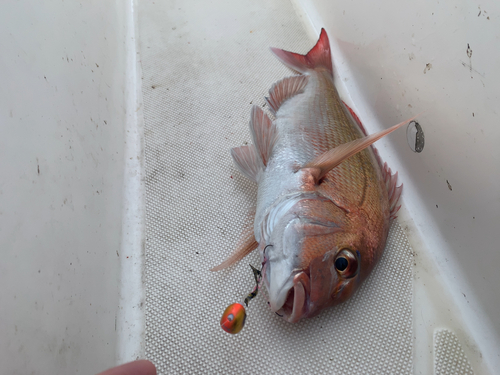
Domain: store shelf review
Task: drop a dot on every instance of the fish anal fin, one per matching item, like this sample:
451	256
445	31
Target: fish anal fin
248	161
285	89
319	56
246	245
263	133
332	158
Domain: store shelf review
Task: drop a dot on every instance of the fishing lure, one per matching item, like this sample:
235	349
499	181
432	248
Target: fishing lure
233	318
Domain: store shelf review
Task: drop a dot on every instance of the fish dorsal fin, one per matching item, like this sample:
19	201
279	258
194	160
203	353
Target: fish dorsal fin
390	179
285	89
332	158
248	161
263	133
319	56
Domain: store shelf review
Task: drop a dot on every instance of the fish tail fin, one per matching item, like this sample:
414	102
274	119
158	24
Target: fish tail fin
318	57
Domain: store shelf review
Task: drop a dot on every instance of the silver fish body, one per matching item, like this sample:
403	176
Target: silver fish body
324	200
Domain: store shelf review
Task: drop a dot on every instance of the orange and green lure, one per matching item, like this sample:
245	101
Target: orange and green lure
233	318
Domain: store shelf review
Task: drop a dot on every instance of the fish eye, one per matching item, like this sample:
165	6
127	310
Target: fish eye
346	263
341	263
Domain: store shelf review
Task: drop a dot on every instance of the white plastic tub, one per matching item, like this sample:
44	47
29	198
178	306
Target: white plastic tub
72	222
69	158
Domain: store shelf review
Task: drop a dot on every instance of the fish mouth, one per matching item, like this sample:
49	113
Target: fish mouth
296	305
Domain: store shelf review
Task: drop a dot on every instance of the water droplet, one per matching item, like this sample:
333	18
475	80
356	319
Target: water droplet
415	136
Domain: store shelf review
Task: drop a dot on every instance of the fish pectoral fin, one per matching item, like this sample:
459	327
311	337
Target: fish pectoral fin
332	158
285	89
248	161
246	245
264	133
318	57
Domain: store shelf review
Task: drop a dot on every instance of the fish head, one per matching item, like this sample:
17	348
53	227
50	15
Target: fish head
314	259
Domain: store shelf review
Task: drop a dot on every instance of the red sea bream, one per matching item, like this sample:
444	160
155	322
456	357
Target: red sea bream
325	200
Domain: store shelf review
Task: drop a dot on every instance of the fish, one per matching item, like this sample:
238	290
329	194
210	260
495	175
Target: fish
325	199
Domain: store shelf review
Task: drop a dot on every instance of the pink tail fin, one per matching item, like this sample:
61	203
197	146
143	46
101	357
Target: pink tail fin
319	56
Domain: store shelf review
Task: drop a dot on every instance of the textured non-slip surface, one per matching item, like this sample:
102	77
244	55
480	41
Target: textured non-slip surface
449	357
204	64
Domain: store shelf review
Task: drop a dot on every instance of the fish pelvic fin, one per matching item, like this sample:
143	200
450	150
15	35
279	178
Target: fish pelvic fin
246	245
285	89
390	179
332	158
318	57
264	133
248	161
